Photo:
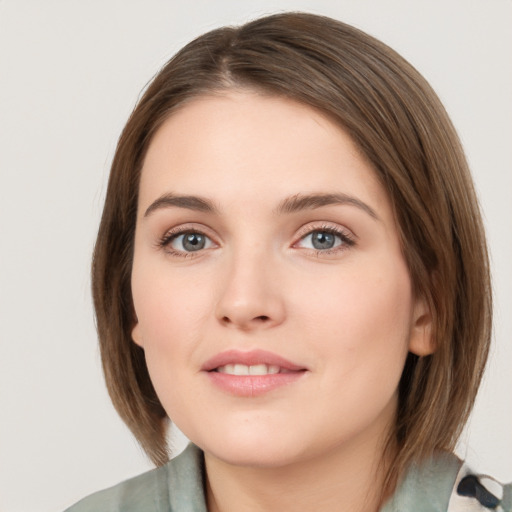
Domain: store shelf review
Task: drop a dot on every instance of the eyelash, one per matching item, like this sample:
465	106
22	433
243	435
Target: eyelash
347	240
165	242
346	237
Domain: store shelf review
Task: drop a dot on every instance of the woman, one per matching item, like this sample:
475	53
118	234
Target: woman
291	266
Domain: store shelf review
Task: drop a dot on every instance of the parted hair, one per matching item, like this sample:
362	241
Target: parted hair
401	127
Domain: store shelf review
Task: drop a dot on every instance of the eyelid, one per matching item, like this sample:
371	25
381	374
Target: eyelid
347	237
324	226
165	240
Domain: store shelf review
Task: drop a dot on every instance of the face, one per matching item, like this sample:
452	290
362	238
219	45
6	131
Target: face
273	302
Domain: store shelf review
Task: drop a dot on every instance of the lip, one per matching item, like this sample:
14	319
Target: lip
252	385
250	358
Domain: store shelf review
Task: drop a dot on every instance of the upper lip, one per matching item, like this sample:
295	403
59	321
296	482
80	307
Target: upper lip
249	358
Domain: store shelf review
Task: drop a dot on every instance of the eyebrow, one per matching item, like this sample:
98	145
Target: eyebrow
300	202
295	203
196	203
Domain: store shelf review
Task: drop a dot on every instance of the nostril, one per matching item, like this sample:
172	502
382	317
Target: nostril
261	319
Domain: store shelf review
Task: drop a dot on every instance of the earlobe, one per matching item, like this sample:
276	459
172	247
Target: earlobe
136	335
421	341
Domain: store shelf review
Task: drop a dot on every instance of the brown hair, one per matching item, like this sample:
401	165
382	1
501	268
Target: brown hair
399	124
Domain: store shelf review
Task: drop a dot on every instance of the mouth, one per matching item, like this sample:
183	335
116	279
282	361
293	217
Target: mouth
250	374
253	362
255	369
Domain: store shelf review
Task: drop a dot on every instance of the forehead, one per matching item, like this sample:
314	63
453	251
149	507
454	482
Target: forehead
249	146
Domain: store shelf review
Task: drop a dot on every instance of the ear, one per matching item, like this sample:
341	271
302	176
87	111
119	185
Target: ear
421	342
137	335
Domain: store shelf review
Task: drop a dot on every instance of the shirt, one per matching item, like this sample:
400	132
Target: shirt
439	484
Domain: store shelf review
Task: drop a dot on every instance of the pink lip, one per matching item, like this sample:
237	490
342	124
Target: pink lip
251	385
249	358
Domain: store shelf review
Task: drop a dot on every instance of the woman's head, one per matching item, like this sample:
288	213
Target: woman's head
399	129
270	246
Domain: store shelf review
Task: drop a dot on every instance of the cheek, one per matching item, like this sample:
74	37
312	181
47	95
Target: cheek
363	316
168	307
169	314
361	330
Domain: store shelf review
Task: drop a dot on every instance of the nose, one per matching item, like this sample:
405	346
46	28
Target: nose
251	294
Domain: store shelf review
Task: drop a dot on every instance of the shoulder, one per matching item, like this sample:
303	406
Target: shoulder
176	486
144	492
444	483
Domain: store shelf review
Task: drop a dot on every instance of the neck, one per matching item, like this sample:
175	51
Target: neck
346	479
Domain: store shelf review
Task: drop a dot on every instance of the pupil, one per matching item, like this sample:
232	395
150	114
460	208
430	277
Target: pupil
323	240
193	242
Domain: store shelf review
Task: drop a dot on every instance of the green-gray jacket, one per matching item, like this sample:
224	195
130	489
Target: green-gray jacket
178	487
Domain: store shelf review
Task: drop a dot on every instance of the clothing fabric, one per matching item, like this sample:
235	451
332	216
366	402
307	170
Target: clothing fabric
441	484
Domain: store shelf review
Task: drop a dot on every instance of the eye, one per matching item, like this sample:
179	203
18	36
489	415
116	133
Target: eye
321	240
325	240
186	242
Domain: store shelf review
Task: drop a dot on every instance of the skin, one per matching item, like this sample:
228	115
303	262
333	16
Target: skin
347	314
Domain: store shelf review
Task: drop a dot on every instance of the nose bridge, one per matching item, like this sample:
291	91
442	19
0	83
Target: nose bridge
250	295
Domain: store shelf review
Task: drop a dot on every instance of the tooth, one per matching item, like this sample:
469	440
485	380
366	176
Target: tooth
255	369
226	369
258	369
240	369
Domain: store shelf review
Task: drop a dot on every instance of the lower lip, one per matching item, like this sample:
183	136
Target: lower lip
253	385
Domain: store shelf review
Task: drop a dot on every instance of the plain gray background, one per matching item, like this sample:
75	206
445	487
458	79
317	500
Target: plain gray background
70	73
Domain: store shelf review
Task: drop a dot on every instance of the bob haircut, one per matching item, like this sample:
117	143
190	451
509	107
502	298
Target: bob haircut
401	127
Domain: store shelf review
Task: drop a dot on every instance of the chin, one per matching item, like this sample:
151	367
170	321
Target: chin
256	457
252	450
